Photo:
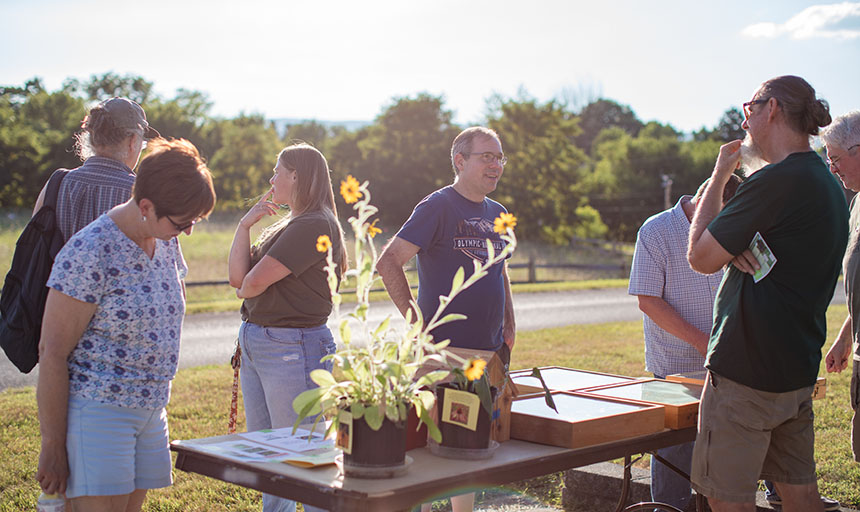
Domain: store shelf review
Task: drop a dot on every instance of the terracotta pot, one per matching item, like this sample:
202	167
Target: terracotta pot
377	448
456	436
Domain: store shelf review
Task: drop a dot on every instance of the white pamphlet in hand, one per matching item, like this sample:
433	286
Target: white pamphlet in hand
763	255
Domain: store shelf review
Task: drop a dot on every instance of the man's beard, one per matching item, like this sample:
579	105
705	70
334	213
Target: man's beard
751	157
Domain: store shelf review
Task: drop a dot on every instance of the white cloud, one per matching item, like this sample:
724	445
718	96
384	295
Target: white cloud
834	21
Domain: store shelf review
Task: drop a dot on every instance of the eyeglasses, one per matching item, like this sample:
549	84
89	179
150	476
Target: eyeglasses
184	226
832	162
748	104
489	157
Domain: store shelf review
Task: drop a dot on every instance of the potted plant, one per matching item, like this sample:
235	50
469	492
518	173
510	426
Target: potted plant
377	375
464	407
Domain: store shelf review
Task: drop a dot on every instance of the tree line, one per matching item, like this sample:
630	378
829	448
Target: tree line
593	172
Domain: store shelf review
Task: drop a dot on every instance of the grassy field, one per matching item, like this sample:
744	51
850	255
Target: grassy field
200	403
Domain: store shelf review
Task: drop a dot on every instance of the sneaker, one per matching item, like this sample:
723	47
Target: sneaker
829	504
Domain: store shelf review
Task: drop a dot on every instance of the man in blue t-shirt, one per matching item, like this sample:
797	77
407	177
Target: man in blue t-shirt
447	230
755	417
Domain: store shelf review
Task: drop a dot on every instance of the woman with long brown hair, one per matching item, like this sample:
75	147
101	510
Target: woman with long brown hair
287	300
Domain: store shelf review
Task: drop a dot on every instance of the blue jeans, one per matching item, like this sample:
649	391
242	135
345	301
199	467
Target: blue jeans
666	485
276	367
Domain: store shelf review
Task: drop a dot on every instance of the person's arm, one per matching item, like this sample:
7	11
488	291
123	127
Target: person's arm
668	319
265	273
509	331
239	261
840	352
705	253
390	267
62	327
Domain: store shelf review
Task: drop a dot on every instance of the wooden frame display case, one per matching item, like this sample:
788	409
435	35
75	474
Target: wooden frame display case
698	378
582	420
679	399
558	378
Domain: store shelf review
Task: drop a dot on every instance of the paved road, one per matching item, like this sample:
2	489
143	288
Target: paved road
208	338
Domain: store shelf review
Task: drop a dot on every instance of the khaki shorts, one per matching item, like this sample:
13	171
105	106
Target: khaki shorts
746	435
855	402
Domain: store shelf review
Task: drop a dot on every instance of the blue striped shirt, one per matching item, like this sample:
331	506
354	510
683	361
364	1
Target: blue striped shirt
660	269
89	191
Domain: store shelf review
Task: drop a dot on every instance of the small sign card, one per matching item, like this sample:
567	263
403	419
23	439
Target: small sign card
763	255
344	432
461	408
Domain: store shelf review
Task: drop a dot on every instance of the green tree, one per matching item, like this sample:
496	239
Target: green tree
601	114
36	137
110	84
728	128
541	182
405	154
242	166
628	179
312	132
186	116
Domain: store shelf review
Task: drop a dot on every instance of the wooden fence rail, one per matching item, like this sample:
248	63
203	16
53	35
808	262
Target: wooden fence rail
532	266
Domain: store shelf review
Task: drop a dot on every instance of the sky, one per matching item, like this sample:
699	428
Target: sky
678	62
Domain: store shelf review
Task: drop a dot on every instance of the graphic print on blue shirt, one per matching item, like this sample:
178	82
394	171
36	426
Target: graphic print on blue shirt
471	239
451	232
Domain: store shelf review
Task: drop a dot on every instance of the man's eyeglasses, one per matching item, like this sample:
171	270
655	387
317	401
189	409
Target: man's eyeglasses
489	157
833	162
748	104
182	227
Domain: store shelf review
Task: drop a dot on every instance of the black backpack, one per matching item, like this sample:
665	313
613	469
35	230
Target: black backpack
22	301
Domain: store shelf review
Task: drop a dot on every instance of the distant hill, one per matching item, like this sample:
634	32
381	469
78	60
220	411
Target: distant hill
282	123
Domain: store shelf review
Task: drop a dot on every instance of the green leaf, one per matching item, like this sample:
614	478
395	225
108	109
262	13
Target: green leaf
457	282
323	378
373	416
345	332
450	317
547	395
432	429
482	386
383	326
357	410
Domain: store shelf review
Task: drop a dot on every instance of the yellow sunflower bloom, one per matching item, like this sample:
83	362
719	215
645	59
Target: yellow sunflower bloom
372	230
349	189
323	243
475	369
504	222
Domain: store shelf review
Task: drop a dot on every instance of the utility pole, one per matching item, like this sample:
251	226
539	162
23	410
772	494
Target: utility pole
667	190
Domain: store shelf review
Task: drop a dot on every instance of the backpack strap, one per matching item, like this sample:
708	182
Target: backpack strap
54	188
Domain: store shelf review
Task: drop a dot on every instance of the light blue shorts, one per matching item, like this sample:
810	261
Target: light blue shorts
115	450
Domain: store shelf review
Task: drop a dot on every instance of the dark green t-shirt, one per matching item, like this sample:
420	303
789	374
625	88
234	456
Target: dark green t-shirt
302	299
768	335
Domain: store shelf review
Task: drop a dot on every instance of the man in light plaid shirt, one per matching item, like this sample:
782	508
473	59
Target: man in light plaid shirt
678	305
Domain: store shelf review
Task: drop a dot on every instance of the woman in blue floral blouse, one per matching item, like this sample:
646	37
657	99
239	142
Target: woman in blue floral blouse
110	338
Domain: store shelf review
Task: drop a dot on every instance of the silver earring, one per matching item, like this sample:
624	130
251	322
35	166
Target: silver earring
143	218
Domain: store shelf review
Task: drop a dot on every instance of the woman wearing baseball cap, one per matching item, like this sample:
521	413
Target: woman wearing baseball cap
112	136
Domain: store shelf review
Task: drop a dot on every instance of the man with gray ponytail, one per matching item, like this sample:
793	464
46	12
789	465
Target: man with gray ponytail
112	136
755	418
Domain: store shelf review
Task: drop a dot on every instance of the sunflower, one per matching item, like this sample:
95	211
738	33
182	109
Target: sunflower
372	230
504	222
323	243
475	369
349	189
